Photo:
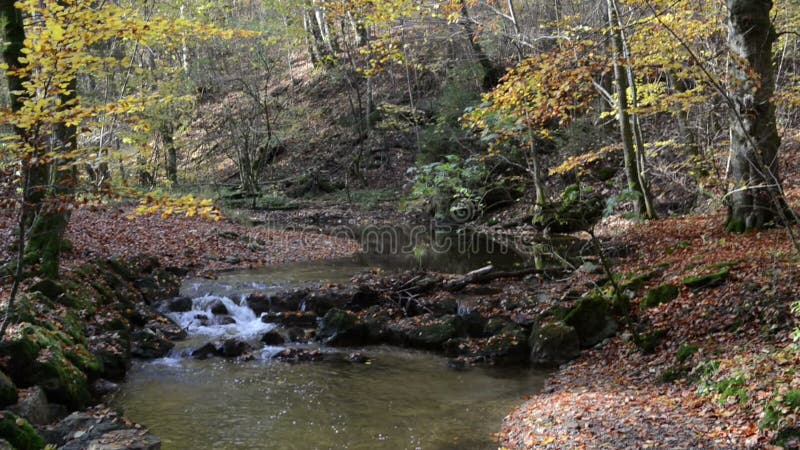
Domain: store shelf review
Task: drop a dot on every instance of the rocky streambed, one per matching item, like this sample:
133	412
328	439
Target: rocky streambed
385	360
296	356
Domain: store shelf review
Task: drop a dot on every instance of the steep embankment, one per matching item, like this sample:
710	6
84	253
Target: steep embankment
711	358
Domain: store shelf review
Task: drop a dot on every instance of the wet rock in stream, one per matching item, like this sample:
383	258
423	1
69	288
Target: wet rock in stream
272	338
229	348
99	428
218	308
179	304
298	355
305	319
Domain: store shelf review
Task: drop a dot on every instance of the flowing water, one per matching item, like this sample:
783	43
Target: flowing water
399	399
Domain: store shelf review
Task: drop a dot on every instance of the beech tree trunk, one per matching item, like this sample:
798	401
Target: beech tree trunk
754	199
633	172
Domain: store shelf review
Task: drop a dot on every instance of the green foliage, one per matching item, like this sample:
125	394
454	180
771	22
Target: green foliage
685	352
778	408
673	374
578	208
452	181
19	432
726	389
648	342
445	135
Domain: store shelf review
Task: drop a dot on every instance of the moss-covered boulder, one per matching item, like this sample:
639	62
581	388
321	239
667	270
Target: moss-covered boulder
576	210
648	342
49	288
38	355
591	317
708	280
61	380
340	327
425	331
510	346
664	293
8	391
19	433
375	321
553	343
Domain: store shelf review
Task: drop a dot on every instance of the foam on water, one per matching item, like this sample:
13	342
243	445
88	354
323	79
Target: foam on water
201	321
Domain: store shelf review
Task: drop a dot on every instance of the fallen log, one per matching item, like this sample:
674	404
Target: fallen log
489	273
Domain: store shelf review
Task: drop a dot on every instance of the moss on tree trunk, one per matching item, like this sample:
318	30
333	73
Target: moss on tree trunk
754	199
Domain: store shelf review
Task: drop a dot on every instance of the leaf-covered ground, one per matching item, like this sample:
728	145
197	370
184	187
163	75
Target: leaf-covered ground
198	245
615	396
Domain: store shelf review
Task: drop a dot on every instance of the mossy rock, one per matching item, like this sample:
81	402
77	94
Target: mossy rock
553	344
20	351
8	391
88	363
375	320
31	307
434	334
38	355
577	209
49	288
340	327
508	347
621	305
556	312
636	281
708	280
494	326
19	433
648	342
591	318
664	293
73	327
61	380
426	331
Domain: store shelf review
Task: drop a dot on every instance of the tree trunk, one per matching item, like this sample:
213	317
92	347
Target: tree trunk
14	36
626	131
172	154
491	75
755	198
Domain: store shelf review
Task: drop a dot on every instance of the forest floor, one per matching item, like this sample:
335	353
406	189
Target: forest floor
199	246
726	352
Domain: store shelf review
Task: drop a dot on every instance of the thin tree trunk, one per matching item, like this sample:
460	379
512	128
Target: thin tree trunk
626	131
638	138
172	154
490	73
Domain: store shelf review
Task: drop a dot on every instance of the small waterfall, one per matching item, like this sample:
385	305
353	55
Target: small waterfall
232	318
464	308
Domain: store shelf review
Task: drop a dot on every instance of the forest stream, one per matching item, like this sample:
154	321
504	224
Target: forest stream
391	398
